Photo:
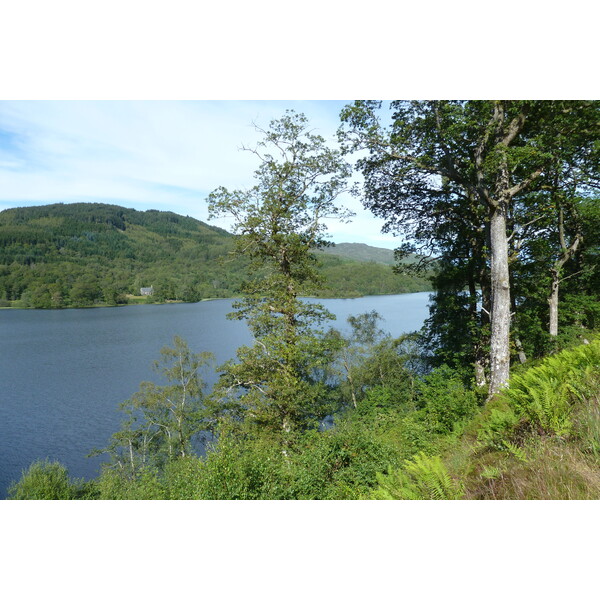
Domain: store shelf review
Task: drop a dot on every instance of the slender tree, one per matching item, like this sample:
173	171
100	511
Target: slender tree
280	222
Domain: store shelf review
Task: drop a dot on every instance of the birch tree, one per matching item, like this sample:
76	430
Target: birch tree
162	420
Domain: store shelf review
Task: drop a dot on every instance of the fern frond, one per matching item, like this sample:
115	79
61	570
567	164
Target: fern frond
517	452
423	478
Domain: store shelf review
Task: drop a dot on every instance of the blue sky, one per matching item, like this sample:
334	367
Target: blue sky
166	155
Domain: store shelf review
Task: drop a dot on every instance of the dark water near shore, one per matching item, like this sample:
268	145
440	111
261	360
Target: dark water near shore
63	373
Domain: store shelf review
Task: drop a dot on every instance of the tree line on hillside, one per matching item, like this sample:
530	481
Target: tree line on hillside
80	255
398	404
84	254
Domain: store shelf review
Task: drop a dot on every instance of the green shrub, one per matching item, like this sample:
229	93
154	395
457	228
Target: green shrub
182	478
341	463
115	485
45	480
445	400
412	435
243	469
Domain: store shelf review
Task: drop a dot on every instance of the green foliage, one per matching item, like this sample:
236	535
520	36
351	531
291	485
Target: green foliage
544	394
516	451
413	435
457	332
116	485
445	400
87	254
345	277
182	479
580	314
238	469
163	420
422	478
497	427
336	464
46	480
362	253
84	254
339	463
544	400
390	415
342	464
490	472
280	224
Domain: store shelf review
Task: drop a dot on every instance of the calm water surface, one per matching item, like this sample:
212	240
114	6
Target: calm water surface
63	373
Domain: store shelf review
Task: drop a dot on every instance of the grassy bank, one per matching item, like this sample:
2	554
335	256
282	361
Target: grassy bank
540	439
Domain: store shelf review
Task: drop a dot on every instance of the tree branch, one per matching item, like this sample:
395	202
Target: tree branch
528	180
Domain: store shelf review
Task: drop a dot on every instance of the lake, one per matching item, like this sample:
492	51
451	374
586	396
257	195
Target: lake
63	373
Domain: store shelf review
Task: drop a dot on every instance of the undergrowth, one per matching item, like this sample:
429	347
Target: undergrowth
539	439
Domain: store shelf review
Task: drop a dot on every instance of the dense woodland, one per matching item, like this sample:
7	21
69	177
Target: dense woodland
498	397
85	254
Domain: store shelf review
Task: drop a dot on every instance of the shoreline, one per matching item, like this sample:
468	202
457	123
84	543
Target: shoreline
197	301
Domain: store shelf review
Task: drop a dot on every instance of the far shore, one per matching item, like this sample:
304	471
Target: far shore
142	300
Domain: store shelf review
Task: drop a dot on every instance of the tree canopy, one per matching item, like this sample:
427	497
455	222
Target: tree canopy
459	178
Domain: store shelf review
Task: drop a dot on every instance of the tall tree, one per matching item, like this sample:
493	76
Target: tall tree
280	223
439	159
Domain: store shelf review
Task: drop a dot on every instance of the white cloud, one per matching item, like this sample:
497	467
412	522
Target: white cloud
151	154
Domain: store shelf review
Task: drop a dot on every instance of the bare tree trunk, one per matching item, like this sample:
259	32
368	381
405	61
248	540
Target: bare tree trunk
553	303
519	346
131	456
351	381
500	313
347	367
478	364
499	272
480	379
555	271
484	316
520	352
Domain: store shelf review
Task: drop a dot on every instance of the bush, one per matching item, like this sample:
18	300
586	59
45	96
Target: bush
340	463
182	478
45	480
445	400
243	469
336	464
114	485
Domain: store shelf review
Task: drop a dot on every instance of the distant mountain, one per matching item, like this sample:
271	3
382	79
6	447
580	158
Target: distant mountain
85	254
365	253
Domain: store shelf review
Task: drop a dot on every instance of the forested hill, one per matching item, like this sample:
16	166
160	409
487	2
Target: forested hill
362	253
83	254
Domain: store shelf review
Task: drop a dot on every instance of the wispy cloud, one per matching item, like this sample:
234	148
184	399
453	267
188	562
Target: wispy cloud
151	154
